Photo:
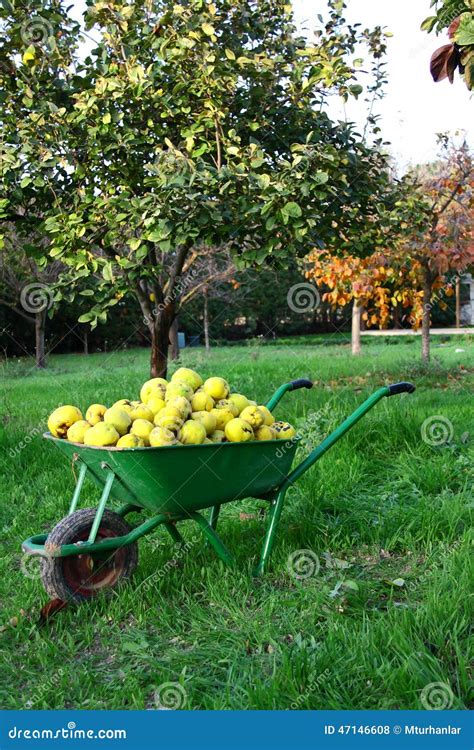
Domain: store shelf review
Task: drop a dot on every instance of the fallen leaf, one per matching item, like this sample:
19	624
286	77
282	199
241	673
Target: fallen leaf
398	582
50	609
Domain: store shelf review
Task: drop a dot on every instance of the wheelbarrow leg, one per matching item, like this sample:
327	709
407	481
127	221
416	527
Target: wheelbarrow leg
274	514
215	541
214	515
174	533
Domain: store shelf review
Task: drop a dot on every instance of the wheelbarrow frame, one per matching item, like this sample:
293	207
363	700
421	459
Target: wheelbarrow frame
36	545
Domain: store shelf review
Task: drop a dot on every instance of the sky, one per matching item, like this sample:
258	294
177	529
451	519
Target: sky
414	108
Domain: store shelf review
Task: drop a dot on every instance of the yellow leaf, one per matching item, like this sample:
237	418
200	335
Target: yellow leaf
229	54
29	55
208	29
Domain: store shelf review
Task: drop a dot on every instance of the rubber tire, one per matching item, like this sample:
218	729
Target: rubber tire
68	531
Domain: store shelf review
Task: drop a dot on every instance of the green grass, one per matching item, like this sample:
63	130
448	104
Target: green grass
385	503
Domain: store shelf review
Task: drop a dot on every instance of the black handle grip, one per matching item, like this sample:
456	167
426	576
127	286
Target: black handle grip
301	383
397	388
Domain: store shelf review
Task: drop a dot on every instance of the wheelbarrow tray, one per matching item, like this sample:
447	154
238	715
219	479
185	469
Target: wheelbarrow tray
173	480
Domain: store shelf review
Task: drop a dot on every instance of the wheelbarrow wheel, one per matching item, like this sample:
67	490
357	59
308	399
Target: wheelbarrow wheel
77	578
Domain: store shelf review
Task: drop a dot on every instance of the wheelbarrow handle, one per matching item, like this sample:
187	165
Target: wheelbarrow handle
285	388
396	388
348	423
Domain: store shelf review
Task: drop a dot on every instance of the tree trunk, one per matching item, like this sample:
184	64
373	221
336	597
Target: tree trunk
174	341
86	342
426	321
396	316
356	317
458	302
160	338
206	321
40	325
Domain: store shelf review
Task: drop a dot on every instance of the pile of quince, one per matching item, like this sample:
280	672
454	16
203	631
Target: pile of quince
183	411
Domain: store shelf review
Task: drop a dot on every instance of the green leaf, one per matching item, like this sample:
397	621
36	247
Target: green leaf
154	236
292	209
350	585
134	243
86	318
429	24
464	35
107	273
321	178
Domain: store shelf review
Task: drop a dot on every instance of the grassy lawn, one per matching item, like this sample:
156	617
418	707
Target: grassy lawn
382	506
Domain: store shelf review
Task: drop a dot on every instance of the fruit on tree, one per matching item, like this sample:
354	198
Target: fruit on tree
62	419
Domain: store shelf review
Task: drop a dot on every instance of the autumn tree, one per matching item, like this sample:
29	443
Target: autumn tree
433	238
374	285
447	242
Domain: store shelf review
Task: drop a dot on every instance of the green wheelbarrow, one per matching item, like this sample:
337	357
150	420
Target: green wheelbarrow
93	549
